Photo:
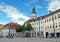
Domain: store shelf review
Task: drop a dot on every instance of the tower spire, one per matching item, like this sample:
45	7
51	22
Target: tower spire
33	10
33	15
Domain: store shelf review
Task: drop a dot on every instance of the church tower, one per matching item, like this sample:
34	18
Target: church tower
33	15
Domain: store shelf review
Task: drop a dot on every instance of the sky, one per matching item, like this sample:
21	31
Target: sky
19	11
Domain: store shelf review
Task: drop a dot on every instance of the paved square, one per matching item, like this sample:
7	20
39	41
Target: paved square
30	40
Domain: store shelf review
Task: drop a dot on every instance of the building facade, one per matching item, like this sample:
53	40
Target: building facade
47	25
9	29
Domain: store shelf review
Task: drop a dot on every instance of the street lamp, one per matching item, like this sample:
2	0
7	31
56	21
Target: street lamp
53	25
39	29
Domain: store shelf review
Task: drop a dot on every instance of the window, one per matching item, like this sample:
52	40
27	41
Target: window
58	15
55	17
49	19
48	26
51	25
45	27
52	17
45	20
41	21
56	25
59	24
41	27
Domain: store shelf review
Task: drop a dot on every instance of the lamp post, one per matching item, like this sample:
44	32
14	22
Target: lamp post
39	29
53	26
34	27
9	33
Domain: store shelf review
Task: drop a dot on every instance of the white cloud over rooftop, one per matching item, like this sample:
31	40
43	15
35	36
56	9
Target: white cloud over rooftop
54	5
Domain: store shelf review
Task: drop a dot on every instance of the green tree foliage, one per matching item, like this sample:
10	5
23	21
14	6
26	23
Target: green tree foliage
28	27
20	29
23	28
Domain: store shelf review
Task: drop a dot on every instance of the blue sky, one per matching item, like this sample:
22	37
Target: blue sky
19	11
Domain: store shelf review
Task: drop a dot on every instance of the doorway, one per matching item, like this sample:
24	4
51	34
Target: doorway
58	34
47	34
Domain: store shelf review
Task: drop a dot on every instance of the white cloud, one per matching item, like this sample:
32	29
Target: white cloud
13	13
34	1
20	22
54	5
39	7
31	2
26	4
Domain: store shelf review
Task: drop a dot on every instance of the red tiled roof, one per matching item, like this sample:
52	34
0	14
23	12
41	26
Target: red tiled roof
31	20
11	25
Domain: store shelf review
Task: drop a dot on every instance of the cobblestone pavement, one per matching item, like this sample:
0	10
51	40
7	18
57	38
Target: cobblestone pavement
30	40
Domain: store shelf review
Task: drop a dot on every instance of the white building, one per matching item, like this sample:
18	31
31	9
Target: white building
9	29
6	32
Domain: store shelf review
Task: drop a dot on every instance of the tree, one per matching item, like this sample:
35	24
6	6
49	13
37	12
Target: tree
28	27
20	29
23	28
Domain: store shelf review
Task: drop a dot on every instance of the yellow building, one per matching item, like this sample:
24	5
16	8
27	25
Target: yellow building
51	24
47	25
